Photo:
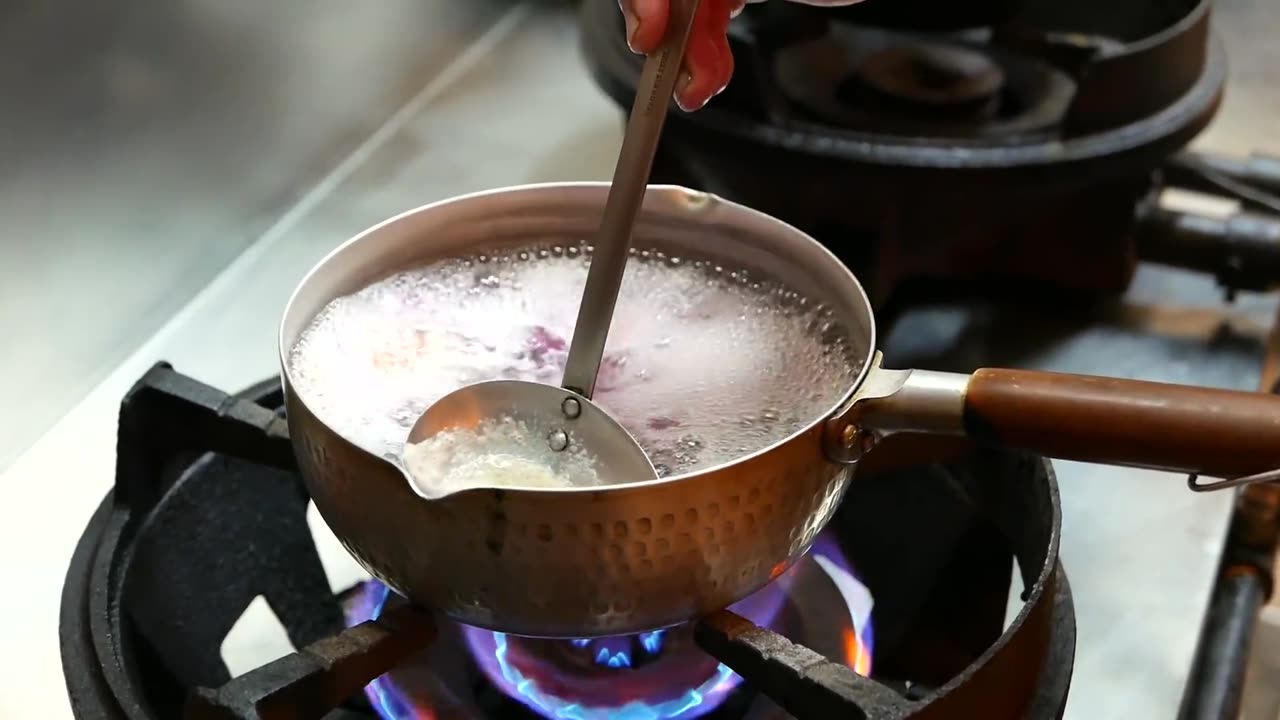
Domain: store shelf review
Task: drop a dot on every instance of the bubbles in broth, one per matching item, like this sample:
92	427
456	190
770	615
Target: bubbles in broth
704	364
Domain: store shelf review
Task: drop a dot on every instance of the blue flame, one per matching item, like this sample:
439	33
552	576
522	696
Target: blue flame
619	659
610	655
652	641
393	702
532	695
382	692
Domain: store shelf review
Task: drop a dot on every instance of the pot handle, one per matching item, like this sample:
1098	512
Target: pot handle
1200	431
1220	433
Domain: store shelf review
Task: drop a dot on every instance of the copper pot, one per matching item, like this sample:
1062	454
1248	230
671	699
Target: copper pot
636	557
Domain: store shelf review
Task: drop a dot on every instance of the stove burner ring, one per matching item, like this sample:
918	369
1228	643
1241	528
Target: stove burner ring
132	647
896	85
932	75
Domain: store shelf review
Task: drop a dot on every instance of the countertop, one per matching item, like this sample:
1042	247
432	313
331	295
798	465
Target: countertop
235	145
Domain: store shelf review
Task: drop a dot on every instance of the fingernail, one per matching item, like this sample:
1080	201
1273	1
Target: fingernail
633	25
682	87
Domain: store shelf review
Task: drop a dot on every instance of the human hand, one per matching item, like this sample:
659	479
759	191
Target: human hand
708	62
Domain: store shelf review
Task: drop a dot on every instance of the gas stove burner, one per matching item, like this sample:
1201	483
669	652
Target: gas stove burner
957	157
1056	87
900	85
659	675
208	513
933	76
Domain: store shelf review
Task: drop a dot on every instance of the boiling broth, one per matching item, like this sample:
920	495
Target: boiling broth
703	364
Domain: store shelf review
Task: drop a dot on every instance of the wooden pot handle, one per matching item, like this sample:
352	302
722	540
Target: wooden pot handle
1219	433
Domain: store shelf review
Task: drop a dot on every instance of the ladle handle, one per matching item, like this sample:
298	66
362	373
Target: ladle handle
630	179
1161	426
1220	433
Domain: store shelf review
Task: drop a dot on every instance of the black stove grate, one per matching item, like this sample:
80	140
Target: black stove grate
208	514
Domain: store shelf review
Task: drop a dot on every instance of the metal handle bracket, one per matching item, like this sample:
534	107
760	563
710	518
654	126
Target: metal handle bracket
1194	484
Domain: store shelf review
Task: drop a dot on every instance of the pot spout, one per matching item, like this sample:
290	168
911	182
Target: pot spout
436	492
426	491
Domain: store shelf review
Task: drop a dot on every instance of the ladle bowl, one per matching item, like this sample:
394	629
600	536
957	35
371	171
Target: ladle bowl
558	420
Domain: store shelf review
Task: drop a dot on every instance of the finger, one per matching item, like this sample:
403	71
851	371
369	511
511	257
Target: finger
646	23
726	52
708	60
726	65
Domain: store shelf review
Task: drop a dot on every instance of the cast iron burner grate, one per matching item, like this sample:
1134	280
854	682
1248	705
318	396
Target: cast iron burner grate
208	513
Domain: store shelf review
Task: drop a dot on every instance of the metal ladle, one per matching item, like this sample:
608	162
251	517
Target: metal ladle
565	415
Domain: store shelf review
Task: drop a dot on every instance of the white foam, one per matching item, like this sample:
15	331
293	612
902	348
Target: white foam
702	365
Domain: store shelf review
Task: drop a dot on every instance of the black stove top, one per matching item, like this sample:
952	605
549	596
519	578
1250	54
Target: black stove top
1007	140
208	514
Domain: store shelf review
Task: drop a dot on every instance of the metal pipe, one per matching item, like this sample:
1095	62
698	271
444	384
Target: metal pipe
1241	250
1216	683
1193	170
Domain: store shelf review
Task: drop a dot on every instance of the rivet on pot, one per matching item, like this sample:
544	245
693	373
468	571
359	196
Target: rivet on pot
695	200
558	440
571	408
849	437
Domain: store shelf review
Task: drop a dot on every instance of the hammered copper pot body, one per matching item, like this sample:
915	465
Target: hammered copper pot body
589	562
624	559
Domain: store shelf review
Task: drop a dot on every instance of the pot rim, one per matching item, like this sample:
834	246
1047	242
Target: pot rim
668	194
